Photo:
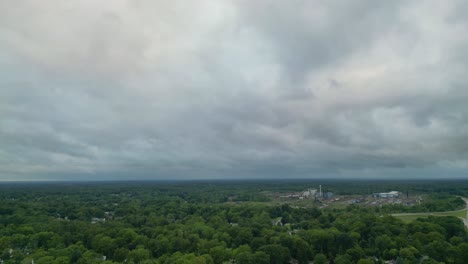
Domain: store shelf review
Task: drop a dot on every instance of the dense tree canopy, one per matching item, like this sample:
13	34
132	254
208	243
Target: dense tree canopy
181	223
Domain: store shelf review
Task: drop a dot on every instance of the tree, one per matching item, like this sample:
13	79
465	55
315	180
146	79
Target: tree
356	253
301	251
343	259
104	245
409	253
243	236
278	254
390	254
245	258
139	254
344	241
365	261
383	243
121	254
428	260
320	259
438	250
261	258
220	254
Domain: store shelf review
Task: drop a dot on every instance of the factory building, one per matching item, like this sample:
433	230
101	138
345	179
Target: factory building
391	194
327	195
308	194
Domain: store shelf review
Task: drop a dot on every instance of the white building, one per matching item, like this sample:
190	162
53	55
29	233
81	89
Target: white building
308	193
391	194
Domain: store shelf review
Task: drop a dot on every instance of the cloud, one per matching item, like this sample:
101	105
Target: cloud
226	89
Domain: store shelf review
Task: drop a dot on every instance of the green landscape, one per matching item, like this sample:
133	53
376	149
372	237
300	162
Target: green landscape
227	222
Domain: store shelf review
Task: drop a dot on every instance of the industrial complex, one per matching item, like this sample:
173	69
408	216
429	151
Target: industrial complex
325	198
309	194
392	194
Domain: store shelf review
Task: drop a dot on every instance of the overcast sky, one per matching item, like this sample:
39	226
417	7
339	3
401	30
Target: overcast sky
95	90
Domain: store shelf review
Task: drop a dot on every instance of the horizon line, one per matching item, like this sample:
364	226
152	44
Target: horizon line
230	180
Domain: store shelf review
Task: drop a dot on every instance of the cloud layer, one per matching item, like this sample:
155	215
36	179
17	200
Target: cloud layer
233	89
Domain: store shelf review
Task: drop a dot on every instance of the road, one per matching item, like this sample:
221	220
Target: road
466	218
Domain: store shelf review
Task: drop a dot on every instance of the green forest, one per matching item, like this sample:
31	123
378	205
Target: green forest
222	222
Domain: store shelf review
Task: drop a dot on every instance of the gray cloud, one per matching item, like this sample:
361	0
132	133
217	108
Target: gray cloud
312	34
221	89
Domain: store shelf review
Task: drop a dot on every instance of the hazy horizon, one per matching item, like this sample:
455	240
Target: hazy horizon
182	90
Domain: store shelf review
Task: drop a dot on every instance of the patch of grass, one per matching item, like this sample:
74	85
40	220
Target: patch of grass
411	217
461	214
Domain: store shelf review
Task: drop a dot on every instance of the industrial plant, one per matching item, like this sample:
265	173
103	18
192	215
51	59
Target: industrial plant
326	198
392	194
309	194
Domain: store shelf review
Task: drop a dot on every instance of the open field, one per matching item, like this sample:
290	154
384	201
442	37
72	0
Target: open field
459	213
410	217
